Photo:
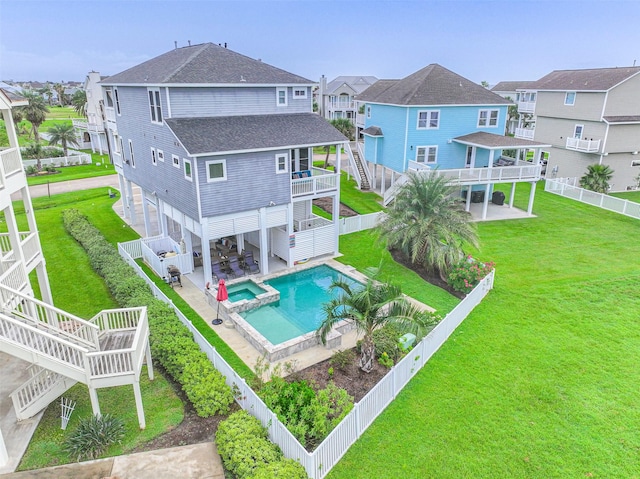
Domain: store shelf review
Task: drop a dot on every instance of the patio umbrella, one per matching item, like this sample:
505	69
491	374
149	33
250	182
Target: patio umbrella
221	296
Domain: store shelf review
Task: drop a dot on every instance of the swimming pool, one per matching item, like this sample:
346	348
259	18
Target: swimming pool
299	310
244	290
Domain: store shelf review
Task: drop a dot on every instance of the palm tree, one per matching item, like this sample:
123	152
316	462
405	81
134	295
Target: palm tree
59	88
79	102
371	307
427	223
597	178
65	134
344	126
36	112
35	149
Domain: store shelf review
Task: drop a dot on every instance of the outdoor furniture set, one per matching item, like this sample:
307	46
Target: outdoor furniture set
234	265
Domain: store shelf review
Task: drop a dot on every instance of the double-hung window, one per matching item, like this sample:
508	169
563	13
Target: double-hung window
426	154
154	158
281	96
282	162
428	120
155	106
188	174
176	160
570	98
488	118
216	170
117	98
133	159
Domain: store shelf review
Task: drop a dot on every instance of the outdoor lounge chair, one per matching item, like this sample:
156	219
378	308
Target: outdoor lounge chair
250	264
216	270
236	270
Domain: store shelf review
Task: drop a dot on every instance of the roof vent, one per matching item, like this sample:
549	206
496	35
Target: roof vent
242	78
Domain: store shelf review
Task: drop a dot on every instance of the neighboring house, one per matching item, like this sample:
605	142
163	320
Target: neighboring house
587	116
91	133
509	90
337	98
436	119
221	146
58	348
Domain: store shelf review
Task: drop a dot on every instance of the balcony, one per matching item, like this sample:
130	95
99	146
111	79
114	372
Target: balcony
521	171
526	106
342	104
312	182
587	146
525	133
83	125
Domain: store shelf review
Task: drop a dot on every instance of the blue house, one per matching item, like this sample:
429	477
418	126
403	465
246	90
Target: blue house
438	120
221	146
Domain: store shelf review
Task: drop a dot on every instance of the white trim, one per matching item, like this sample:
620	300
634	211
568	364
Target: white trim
280	156
575	127
428	120
566	97
278	91
174	162
160	155
155	110
488	118
186	162
154	157
132	161
427	148
299	97
222	162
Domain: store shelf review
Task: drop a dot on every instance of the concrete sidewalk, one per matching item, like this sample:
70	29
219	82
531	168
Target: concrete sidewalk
198	461
110	181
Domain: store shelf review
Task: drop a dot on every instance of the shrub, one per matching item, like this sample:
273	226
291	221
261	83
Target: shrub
467	273
385	360
386	339
205	387
283	469
342	359
31	170
94	435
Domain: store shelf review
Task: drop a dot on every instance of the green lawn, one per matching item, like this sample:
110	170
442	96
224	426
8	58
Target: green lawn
77	172
541	380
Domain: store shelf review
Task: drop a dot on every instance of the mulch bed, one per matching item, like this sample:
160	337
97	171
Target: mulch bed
326	204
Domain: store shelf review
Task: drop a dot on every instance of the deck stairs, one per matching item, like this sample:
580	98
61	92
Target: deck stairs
107	350
359	169
392	191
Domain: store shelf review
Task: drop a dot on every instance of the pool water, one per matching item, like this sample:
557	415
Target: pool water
244	290
299	310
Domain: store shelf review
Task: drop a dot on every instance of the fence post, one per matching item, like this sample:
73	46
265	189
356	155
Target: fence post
624	207
601	199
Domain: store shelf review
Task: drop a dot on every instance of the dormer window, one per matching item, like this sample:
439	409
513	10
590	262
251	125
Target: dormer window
281	96
155	106
570	98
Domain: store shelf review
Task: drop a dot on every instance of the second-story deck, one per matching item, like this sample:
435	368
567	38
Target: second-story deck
519	171
525	133
587	146
313	182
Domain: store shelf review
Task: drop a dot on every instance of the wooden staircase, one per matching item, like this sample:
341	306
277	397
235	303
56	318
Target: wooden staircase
364	182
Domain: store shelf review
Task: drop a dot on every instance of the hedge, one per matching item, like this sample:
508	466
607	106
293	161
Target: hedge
171	341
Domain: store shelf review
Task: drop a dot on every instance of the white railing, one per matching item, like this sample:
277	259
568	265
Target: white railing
526	133
589	146
563	187
417	166
149	248
319	462
30	246
85	125
391	192
496	174
80	159
363	161
359	223
133	248
11	161
15	277
320	181
341	104
119	319
310	223
526	106
29	394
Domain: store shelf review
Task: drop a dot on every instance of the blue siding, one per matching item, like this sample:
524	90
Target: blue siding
454	121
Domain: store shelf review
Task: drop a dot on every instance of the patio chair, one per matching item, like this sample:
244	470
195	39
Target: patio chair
236	270
216	270
250	264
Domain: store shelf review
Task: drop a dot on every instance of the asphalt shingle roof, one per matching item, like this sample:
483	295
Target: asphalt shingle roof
511	85
357	83
257	132
207	63
597	79
433	85
622	119
493	141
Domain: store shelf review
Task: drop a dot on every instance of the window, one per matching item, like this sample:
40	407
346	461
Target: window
300	93
281	96
187	169
115	94
154	158
577	131
155	106
117	142
488	118
635	162
108	95
176	160
160	155
133	160
216	170
281	163
426	154
570	98
368	112
429	119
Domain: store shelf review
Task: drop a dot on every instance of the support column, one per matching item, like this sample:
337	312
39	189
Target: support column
145	215
147	353
264	242
532	195
123	195
99	144
95	405
139	407
163	228
4	455
382	183
485	203
335	212
131	204
468	200
513	194
43	282
289	233
206	253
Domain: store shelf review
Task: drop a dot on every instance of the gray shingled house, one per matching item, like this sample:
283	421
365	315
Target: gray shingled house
221	146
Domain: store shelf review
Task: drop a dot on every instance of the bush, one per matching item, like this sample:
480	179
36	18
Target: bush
342	359
31	170
93	436
171	341
283	469
385	340
466	274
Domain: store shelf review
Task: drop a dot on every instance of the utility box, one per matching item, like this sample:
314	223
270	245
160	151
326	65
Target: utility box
407	340
477	196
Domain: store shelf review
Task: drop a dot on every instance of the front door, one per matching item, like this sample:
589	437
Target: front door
471	153
300	159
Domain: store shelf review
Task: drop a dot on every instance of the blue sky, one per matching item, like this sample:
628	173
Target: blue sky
481	40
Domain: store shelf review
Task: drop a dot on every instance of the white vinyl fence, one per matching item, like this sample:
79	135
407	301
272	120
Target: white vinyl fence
319	462
79	159
352	224
567	187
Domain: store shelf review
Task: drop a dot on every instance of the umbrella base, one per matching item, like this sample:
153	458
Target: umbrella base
216	321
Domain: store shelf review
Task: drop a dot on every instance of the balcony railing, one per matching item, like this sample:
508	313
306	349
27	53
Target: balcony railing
526	133
522	171
310	223
11	161
342	104
84	125
588	146
320	181
526	106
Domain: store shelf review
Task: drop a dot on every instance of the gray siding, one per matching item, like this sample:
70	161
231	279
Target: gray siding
251	183
231	101
555	131
167	181
623	139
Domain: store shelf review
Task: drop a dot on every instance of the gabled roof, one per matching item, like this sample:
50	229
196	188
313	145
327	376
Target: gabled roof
13	98
204	64
512	86
376	89
597	79
434	85
356	83
225	134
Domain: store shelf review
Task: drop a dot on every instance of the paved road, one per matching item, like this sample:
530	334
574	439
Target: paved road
73	185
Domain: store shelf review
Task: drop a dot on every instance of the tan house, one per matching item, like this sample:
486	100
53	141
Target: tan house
588	116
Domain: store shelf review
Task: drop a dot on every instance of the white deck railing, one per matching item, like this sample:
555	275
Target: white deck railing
85	125
320	181
79	159
42	383
526	106
150	247
15	277
11	161
353	224
319	462
526	133
30	246
588	146
310	223
496	174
